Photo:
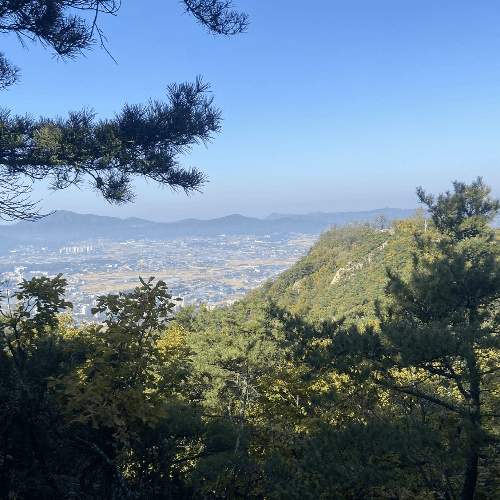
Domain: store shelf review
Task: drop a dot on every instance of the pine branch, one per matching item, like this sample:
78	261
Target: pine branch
427	397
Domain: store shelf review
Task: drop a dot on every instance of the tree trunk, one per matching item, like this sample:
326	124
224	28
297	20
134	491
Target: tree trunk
470	479
40	458
475	445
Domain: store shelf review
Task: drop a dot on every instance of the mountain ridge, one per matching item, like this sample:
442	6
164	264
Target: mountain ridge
344	273
65	227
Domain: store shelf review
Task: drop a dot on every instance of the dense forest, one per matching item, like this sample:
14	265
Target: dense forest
368	370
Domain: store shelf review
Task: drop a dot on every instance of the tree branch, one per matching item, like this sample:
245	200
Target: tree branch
114	467
432	399
216	16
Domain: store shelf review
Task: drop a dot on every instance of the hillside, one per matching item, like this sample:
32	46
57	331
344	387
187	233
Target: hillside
344	273
252	401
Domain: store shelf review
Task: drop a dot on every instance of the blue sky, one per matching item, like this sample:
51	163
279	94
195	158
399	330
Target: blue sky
327	106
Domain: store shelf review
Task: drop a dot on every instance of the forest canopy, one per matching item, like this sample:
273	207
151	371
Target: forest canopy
368	370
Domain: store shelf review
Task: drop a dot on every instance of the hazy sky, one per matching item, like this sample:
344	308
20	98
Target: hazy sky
327	105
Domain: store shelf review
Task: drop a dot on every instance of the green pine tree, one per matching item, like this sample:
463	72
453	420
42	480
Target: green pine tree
438	343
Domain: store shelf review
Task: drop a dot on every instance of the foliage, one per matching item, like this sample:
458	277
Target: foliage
267	398
141	141
62	25
239	371
77	399
14	200
53	24
30	351
9	74
343	274
217	17
437	340
464	213
121	384
30	317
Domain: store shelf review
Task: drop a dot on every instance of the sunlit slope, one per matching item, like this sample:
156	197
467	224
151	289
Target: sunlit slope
345	272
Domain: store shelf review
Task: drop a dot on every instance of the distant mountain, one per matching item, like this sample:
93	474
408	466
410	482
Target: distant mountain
63	227
69	224
342	218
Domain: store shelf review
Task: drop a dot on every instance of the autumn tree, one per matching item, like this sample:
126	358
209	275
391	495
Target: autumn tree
29	352
91	402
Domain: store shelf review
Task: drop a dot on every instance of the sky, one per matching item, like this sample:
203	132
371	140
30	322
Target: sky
327	106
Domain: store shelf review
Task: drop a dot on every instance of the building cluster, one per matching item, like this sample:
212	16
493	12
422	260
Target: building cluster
86	249
213	270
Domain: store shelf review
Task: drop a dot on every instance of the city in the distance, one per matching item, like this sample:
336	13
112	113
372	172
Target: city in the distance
212	262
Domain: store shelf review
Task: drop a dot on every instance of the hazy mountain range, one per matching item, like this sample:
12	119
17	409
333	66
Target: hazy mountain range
63	227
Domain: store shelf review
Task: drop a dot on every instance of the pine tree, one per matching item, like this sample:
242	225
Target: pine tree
141	141
438	342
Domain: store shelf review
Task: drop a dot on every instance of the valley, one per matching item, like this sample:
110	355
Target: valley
211	270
